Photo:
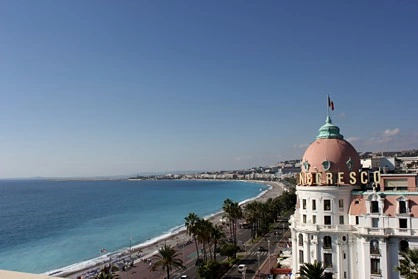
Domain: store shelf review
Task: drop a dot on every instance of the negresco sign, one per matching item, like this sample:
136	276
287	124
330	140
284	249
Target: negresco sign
329	178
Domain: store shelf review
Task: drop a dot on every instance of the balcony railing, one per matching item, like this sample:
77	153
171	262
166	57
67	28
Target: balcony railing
376	271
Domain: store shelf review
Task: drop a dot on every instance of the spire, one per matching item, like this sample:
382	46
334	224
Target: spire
329	131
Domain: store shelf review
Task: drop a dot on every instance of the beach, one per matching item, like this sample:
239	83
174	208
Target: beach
145	251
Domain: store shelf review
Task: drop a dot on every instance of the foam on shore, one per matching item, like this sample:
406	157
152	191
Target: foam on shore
146	249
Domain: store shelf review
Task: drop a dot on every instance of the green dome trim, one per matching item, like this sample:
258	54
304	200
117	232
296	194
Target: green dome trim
329	131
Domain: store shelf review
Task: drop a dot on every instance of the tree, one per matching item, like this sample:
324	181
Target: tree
233	212
216	235
408	263
108	272
192	228
312	271
167	259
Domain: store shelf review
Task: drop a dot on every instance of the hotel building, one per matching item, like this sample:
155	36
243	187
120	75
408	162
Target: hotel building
354	221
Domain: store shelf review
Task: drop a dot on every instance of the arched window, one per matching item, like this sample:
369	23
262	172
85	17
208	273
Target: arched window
403	245
327	242
374	247
300	240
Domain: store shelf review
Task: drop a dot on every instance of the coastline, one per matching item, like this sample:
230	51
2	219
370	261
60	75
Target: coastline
149	248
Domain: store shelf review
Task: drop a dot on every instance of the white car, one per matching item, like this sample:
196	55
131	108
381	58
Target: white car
242	267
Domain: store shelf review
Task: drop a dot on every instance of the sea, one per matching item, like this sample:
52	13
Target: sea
48	225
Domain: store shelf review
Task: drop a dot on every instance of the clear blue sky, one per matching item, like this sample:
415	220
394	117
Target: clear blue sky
91	88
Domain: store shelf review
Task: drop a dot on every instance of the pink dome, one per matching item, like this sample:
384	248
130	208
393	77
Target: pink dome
330	153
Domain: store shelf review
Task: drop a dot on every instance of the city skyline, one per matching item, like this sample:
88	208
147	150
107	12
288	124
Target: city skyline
104	88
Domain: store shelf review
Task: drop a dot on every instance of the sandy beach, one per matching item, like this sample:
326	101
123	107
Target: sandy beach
181	237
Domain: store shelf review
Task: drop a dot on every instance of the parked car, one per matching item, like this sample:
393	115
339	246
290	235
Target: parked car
242	267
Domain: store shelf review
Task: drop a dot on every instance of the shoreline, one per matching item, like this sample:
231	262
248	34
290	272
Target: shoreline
178	236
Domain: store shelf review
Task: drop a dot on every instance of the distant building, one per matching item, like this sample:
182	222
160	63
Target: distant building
355	222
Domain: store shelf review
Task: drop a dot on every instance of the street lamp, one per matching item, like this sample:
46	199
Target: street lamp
268	241
258	260
243	273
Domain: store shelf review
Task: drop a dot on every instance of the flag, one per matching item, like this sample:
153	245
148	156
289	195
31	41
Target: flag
330	103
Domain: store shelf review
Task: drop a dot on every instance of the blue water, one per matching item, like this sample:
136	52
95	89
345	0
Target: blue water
47	225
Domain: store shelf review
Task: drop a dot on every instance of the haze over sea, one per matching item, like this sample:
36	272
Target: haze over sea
46	225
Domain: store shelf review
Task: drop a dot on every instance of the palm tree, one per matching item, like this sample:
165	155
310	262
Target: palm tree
108	272
312	271
191	226
408	263
233	212
216	235
167	259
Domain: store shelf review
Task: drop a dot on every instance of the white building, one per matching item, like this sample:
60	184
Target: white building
354	222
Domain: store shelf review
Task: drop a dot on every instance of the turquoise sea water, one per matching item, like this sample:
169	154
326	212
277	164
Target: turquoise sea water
47	225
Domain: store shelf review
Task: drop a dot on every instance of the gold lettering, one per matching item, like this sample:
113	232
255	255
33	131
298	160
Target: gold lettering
340	178
362	179
318	178
353	179
301	178
376	177
309	179
329	178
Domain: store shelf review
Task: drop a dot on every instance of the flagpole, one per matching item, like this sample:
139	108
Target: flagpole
327	105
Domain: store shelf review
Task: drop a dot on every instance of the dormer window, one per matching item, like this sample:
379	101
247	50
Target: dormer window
375	204
402	206
374	207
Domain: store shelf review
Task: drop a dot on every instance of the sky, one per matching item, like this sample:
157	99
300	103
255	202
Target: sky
101	88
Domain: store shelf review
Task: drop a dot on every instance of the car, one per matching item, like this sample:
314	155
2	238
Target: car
261	248
242	267
184	277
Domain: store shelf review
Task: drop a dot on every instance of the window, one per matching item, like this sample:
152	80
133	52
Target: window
403	223
341	204
375	266
300	240
357	220
327	242
313	204
341	220
375	222
374	247
375	207
304	203
327	205
403	245
402	207
327	220
314	219
301	256
328	259
304	218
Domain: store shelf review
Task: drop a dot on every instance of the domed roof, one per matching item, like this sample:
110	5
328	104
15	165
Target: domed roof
329	155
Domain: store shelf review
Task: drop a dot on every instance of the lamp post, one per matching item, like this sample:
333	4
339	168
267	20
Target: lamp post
268	241
243	273
258	260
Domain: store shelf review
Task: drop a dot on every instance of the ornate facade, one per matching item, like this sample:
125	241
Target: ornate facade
354	222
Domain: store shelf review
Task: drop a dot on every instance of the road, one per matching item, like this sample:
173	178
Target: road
254	258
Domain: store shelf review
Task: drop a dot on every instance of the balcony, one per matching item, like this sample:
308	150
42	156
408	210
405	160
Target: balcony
375	252
376	271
